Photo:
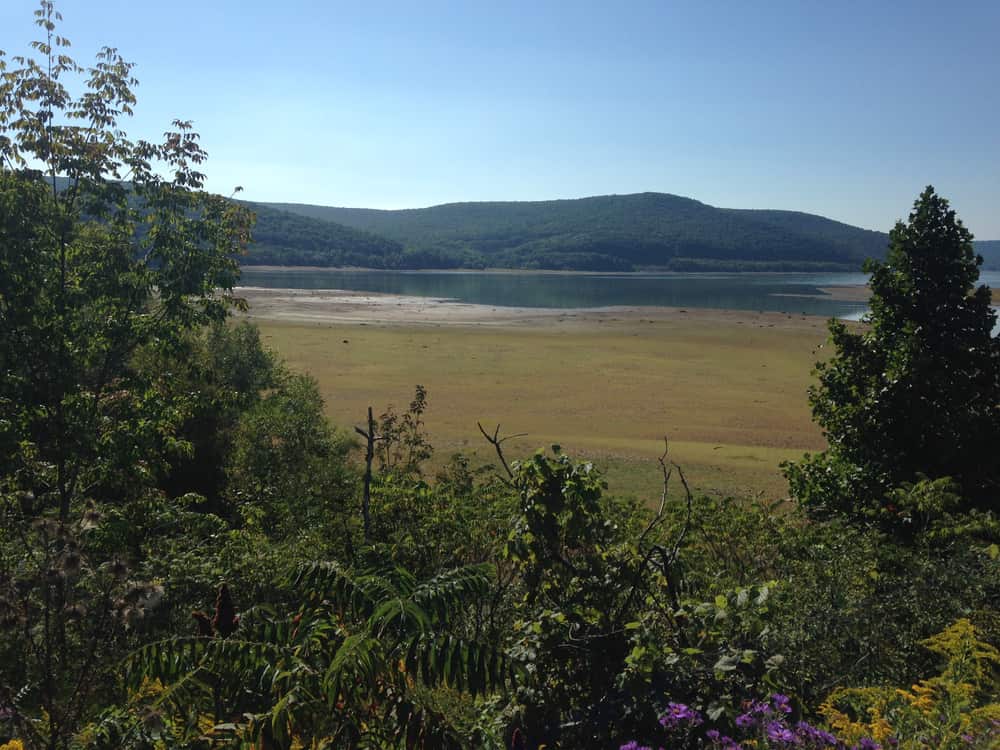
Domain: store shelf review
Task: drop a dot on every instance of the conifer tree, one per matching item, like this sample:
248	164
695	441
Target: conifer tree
915	394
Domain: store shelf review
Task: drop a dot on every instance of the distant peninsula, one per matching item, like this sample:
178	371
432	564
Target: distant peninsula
602	233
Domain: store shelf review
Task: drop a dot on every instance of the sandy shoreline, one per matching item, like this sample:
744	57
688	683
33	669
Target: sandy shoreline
855	293
369	308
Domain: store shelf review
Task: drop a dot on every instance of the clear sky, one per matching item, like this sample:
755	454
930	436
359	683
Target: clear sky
841	108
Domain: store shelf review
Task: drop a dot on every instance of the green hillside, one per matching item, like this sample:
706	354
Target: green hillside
615	232
285	238
603	233
292	239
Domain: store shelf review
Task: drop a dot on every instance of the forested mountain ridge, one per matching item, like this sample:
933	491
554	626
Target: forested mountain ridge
286	238
613	232
603	233
291	239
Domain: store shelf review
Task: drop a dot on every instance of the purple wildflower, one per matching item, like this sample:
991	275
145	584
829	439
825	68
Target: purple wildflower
677	714
745	720
868	744
778	732
781	703
815	737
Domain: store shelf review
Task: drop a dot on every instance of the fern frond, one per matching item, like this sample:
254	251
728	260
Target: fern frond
398	618
354	593
356	667
448	593
458	663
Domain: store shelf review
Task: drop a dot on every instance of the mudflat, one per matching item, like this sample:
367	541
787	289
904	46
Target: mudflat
728	388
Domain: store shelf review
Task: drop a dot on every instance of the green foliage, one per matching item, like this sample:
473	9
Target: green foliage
954	710
851	605
577	599
217	373
285	238
606	621
463	516
286	470
857	604
402	441
88	277
916	394
340	672
607	233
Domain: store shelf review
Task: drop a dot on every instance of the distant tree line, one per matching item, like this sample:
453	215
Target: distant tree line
606	233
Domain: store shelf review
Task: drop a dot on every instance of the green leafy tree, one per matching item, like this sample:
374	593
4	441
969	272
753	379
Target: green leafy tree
220	373
100	255
462	517
579	587
402	440
584	587
606	624
286	468
916	394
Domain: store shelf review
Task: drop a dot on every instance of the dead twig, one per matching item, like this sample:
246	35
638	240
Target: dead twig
366	497
667	472
497	442
667	560
689	499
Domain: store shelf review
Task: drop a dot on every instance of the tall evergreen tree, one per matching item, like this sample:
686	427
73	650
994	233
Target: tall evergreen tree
916	394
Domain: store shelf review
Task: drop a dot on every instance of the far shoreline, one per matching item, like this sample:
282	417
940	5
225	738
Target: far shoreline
339	306
531	271
345	305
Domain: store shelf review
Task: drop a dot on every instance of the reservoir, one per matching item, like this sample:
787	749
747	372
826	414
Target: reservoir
794	293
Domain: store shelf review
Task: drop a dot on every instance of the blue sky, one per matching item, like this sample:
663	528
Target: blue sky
846	109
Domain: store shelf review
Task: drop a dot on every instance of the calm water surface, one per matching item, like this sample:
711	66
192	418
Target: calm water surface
790	292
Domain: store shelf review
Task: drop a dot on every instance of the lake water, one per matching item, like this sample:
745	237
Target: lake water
788	292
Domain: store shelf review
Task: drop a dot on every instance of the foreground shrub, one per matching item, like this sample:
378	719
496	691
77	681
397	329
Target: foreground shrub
956	709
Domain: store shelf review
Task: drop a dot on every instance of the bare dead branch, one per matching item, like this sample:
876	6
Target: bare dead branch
638	580
689	500
667	472
366	497
497	442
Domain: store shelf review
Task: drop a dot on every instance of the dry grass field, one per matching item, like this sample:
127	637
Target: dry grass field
729	389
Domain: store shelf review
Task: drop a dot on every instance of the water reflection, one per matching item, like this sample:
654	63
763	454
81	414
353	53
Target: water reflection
801	293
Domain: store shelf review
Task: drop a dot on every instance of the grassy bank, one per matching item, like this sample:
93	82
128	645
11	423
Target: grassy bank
730	395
